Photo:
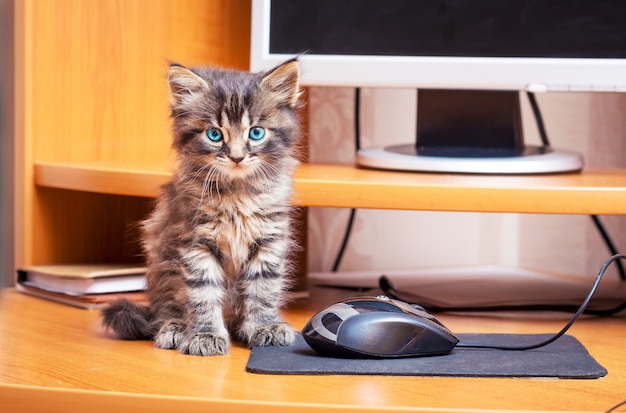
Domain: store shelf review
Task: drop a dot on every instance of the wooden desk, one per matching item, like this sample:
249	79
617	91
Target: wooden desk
55	358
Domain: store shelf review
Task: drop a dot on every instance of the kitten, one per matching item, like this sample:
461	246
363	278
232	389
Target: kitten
218	240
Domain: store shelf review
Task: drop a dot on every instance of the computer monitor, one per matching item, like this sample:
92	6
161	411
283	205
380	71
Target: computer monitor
474	54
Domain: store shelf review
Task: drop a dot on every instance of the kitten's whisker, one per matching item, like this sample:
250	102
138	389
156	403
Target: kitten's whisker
267	173
259	175
208	181
214	182
203	191
224	178
191	181
272	169
206	184
265	176
218	176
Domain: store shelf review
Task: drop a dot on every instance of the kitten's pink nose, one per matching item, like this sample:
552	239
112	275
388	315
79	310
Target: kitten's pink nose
236	158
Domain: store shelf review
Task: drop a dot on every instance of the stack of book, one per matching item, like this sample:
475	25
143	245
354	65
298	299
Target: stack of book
84	286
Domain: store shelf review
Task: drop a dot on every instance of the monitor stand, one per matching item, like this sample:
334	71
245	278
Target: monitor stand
470	131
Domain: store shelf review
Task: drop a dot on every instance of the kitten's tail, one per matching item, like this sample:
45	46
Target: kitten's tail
129	320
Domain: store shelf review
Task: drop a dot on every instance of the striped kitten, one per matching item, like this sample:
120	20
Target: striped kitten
218	241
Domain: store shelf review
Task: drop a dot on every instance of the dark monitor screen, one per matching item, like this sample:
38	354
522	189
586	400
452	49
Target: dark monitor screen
480	28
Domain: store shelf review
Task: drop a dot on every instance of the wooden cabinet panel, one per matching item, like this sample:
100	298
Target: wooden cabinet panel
91	88
97	69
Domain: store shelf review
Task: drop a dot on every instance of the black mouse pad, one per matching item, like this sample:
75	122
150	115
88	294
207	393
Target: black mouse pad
565	358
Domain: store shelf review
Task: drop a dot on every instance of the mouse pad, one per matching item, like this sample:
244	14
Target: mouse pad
565	358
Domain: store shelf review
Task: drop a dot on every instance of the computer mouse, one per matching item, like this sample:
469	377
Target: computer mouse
377	327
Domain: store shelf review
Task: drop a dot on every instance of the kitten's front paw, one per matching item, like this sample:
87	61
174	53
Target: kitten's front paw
204	344
279	334
170	335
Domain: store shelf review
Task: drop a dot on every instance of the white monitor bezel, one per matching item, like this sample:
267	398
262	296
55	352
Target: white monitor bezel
532	74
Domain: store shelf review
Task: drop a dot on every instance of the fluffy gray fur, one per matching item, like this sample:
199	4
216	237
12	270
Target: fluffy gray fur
218	241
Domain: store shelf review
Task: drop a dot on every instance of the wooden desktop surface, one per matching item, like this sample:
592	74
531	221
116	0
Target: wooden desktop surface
54	358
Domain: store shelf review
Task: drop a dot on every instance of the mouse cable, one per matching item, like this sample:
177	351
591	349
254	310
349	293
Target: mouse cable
543	134
385	285
571	322
609	244
618	405
575	317
357	145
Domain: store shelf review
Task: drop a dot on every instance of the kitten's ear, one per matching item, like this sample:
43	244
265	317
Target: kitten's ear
284	82
184	84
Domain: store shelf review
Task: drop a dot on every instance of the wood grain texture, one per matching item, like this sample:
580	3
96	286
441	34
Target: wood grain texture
57	358
592	191
597	191
98	89
90	87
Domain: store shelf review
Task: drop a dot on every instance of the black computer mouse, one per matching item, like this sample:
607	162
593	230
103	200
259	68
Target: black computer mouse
377	327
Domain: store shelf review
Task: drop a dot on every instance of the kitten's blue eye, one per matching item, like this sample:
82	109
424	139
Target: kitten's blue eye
257	133
214	135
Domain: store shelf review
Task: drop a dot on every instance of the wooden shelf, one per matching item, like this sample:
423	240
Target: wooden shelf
54	358
594	191
106	179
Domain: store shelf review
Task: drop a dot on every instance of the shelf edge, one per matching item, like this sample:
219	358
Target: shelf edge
596	192
114	181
